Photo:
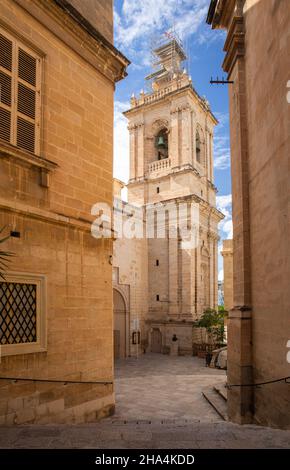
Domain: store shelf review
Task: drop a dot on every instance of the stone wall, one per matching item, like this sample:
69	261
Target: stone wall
99	13
268	124
130	261
258	332
54	218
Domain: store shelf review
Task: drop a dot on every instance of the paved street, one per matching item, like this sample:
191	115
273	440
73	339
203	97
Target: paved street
162	387
159	405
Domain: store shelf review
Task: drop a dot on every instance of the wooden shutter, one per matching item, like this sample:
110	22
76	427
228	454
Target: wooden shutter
25	134
5	53
5	124
26	100
5	87
19	94
27	67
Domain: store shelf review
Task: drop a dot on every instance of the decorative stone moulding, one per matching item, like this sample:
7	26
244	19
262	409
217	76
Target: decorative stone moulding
72	28
28	159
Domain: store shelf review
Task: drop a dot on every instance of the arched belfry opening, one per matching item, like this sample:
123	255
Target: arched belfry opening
161	144
198	147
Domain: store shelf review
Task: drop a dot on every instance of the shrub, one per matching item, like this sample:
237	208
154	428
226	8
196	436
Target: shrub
214	323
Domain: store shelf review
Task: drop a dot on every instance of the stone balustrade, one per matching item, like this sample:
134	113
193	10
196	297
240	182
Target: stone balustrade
159	165
157	95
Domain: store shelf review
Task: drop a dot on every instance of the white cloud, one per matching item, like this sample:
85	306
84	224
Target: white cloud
121	142
140	20
206	37
222	156
224	201
224	204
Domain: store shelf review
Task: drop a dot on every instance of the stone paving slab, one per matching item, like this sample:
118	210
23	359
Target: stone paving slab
164	386
159	406
155	435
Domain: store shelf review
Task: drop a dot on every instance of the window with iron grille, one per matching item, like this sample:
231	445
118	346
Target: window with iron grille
22	314
20	70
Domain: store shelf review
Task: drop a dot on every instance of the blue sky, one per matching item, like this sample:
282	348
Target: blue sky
136	23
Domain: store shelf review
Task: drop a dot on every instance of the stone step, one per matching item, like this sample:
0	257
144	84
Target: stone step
222	391
216	401
152	422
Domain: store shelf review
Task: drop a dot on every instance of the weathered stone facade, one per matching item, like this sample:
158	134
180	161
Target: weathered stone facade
171	163
227	254
257	61
46	196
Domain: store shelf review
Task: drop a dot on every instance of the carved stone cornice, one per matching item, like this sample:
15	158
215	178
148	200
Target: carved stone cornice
177	109
235	44
213	235
11	151
66	23
48	216
212	186
174	111
135	125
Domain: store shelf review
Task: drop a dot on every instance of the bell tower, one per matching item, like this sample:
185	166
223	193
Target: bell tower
171	159
171	133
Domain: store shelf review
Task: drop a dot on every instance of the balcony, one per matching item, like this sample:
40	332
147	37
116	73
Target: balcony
159	165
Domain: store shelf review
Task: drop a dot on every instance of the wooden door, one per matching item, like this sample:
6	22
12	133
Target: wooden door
156	341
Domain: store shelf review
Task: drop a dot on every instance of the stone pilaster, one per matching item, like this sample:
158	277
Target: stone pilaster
193	131
132	138
174	138
240	399
140	151
173	276
185	135
211	242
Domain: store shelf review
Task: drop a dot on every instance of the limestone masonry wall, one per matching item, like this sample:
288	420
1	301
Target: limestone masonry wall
54	221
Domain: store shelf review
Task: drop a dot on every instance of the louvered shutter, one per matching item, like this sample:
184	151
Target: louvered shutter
25	134
26	100
5	87
19	94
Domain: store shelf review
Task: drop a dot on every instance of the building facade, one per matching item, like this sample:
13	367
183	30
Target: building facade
58	67
227	254
171	166
257	62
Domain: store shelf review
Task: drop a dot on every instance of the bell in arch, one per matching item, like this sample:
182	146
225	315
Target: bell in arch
161	142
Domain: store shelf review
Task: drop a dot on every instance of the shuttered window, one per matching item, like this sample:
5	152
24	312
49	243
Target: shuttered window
20	70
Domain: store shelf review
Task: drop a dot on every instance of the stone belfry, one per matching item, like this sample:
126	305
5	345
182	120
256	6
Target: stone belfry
171	160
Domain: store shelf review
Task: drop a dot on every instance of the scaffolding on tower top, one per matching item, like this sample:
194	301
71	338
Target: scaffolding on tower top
167	54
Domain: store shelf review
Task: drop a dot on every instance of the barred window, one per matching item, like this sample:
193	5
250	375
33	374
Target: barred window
22	314
20	70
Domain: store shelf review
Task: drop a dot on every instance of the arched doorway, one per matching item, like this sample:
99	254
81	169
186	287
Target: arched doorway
156	340
119	325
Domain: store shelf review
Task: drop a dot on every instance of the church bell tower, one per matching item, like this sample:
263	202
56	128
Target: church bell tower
171	160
